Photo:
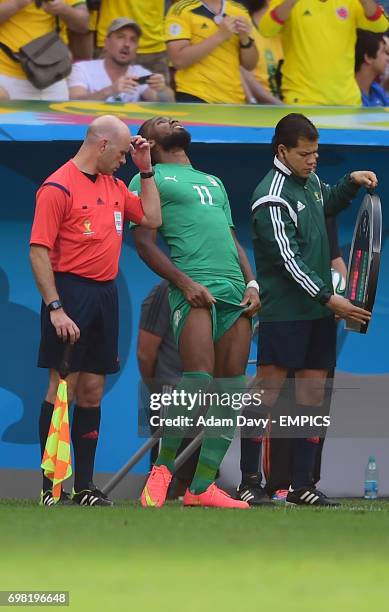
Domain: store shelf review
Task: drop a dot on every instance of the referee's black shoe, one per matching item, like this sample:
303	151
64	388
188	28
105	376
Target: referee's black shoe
309	496
91	497
47	499
254	495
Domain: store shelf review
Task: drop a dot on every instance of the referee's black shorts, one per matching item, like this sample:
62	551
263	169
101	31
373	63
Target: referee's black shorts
298	345
93	306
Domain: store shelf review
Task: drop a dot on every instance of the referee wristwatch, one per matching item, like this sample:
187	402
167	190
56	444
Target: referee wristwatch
54	305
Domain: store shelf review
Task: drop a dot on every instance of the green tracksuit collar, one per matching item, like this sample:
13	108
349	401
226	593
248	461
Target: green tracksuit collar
285	170
280	166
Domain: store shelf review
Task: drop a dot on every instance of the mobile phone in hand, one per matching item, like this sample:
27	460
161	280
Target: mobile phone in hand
143	79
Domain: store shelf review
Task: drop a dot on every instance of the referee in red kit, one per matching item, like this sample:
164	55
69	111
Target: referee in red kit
75	247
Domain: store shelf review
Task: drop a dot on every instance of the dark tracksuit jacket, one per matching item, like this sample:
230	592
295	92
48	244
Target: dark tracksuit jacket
290	242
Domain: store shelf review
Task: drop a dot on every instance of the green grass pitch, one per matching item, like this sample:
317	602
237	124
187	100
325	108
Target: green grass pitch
198	560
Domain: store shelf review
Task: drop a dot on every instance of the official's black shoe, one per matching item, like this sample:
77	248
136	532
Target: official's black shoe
309	496
47	499
254	495
91	497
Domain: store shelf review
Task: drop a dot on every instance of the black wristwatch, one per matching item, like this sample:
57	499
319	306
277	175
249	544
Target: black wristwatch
325	297
147	174
247	45
54	305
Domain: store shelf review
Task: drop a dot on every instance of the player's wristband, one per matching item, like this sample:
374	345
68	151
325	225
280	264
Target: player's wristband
145	175
54	305
253	284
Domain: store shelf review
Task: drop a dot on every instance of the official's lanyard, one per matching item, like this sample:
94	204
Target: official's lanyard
218	16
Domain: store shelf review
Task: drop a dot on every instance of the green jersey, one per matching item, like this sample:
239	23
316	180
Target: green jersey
196	222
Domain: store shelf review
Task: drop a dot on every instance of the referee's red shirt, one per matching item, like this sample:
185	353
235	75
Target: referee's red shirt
81	221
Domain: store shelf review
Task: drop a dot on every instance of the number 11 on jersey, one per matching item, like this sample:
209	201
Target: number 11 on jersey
203	191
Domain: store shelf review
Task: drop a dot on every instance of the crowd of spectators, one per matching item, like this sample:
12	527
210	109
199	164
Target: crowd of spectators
219	51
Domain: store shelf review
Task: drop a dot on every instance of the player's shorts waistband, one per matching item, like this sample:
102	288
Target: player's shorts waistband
83	279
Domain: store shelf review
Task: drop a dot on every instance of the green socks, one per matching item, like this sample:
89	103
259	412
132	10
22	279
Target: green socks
217	436
191	383
217	439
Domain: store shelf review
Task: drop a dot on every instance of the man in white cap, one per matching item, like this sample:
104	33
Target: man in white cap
116	77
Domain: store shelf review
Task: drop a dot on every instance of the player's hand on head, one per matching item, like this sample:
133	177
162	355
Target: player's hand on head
346	310
364	178
252	302
197	295
140	153
66	329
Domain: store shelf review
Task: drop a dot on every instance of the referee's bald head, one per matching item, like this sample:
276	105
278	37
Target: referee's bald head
106	126
106	145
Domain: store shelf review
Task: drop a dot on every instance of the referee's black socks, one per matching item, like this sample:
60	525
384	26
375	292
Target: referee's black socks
85	434
304	457
250	460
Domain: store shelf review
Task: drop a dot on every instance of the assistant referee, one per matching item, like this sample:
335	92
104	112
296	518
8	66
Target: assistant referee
75	247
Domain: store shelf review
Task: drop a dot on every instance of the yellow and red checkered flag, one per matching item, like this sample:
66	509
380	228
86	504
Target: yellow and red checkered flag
57	457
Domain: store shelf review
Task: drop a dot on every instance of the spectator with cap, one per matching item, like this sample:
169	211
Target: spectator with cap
150	15
371	60
21	23
116	77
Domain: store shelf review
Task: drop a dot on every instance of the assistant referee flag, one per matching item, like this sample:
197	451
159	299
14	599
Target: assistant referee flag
56	461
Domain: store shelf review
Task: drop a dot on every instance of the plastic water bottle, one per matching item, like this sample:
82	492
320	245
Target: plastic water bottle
371	479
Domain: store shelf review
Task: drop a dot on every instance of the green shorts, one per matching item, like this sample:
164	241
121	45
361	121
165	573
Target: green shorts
224	313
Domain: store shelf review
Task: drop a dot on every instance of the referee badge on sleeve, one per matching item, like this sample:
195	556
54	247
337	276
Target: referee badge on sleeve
118	222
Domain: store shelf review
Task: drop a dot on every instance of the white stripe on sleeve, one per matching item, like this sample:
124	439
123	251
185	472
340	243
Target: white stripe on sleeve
287	254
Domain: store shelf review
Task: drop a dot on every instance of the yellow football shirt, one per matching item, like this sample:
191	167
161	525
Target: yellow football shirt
216	77
149	15
93	20
270	54
23	27
318	40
